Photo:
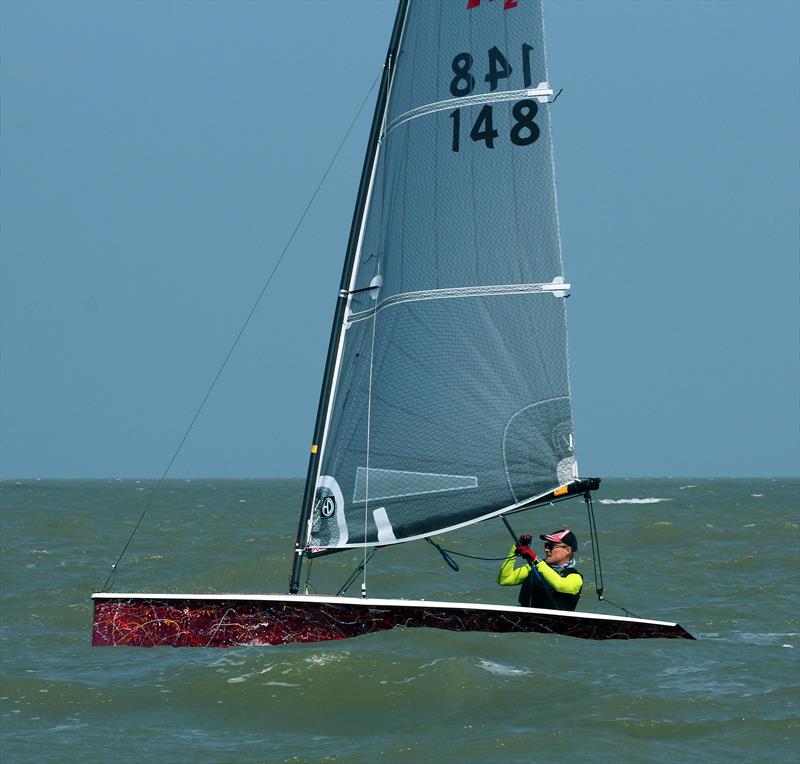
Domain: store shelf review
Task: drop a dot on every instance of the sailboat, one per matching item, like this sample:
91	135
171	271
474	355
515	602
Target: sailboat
445	399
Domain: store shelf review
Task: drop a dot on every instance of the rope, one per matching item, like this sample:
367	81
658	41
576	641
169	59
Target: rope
113	573
619	607
597	565
451	563
444	551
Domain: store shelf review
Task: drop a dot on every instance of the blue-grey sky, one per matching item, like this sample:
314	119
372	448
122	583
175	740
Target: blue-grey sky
156	156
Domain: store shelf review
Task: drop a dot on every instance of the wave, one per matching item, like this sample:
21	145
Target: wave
500	669
649	500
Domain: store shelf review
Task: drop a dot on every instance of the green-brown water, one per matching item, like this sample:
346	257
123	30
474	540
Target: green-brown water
718	556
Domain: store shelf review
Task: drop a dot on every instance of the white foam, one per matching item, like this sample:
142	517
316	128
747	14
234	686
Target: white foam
649	500
501	670
765	638
68	727
325	658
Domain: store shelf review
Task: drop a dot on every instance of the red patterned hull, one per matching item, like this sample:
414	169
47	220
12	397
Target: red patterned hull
184	620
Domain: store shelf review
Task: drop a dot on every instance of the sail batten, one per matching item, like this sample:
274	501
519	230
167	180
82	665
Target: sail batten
449	401
541	93
557	288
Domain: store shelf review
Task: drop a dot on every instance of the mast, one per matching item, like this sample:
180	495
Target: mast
343	297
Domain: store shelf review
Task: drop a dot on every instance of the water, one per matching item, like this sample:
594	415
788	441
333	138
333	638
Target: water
720	557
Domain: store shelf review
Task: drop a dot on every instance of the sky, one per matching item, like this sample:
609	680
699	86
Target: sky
155	158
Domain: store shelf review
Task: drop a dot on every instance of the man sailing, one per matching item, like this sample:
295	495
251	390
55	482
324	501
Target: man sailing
552	583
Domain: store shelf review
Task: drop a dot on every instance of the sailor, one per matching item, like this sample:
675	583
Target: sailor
552	583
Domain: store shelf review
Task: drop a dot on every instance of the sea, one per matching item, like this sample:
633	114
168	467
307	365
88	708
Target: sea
719	556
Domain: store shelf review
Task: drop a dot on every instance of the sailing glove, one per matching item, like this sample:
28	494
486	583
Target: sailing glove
526	553
525	539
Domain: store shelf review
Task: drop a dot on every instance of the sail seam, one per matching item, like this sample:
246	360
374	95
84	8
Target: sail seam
490	290
542	93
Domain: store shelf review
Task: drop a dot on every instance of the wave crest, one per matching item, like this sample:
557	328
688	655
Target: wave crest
649	500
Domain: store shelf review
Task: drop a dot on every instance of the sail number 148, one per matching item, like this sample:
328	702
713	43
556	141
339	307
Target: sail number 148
524	130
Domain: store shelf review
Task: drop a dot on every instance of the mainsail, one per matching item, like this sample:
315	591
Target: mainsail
449	397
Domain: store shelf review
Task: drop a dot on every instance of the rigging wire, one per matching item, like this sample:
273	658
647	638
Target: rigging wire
308	584
619	607
354	575
224	363
369	427
597	565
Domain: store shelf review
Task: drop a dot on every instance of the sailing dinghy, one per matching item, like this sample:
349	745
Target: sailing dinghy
445	399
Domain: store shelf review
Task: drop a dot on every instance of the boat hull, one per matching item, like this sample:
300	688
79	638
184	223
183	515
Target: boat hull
182	620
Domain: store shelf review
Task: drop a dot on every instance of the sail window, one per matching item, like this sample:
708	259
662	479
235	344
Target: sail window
395	484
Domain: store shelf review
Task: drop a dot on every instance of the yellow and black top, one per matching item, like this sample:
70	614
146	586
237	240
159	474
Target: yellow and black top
554	589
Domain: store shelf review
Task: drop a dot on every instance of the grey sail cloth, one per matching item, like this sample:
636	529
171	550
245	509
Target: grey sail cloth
451	399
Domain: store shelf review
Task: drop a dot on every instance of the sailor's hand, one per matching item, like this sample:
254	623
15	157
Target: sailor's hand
526	553
525	539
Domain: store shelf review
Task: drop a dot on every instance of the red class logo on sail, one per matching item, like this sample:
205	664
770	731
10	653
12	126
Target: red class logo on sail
506	5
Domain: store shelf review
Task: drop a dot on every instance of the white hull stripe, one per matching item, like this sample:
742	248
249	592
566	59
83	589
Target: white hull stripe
301	599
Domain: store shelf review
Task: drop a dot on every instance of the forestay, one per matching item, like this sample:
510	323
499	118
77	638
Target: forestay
450	400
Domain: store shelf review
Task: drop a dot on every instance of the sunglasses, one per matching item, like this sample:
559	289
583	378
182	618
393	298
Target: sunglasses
549	545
